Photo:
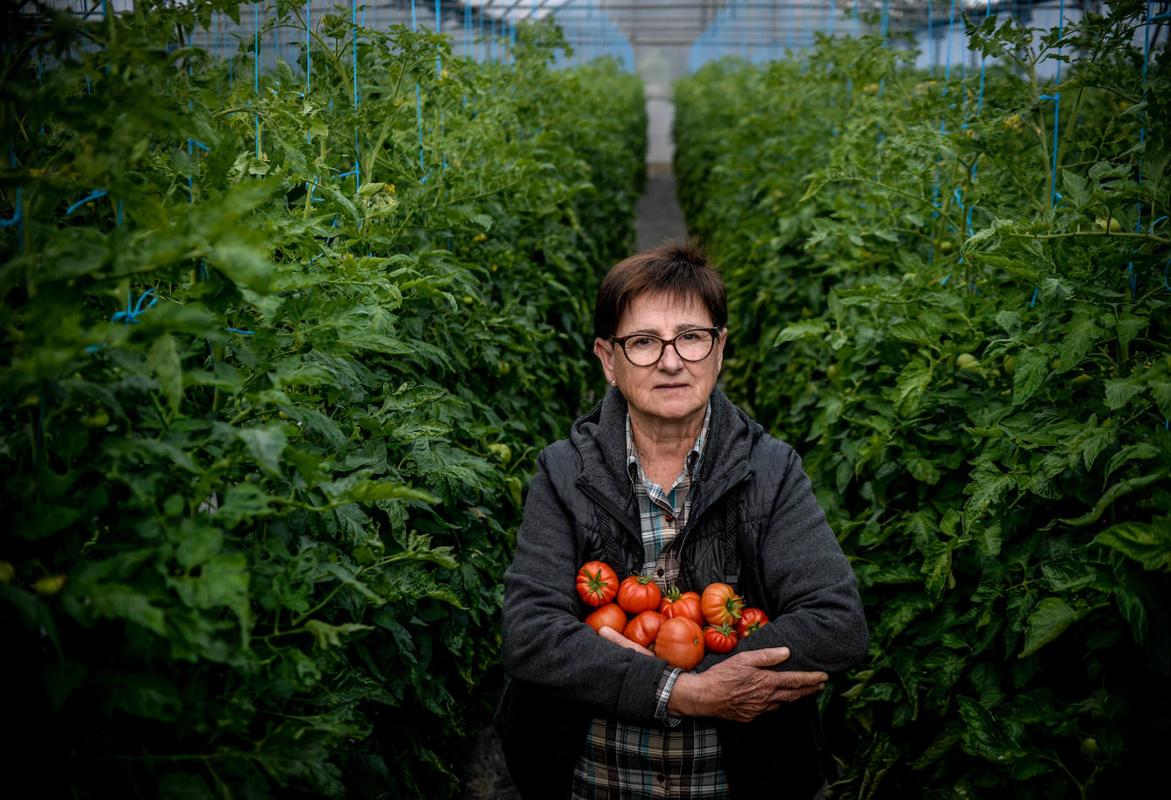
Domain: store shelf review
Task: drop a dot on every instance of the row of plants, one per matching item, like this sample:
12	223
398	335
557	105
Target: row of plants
277	359
949	291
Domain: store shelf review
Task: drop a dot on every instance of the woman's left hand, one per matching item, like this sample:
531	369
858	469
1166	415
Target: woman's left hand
617	638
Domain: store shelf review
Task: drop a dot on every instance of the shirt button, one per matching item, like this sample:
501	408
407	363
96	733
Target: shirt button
669	519
660	573
661	778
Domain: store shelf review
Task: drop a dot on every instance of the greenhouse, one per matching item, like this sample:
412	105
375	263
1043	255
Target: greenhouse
339	461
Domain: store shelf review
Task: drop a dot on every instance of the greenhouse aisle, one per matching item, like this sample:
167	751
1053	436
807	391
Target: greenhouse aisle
659	216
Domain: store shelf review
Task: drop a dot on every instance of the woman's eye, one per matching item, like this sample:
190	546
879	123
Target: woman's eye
643	341
690	336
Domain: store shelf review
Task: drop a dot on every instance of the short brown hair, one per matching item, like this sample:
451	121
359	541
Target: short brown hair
676	269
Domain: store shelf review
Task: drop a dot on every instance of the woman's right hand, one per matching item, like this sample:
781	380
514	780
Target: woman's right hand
742	687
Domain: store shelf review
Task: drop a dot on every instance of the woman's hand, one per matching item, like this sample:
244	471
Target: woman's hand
617	638
742	687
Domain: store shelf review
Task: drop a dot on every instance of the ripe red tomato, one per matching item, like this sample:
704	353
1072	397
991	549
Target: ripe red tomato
751	619
644	628
680	642
596	583
608	616
639	593
721	604
681	605
721	639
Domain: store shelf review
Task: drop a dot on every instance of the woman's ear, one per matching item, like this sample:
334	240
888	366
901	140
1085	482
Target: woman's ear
605	353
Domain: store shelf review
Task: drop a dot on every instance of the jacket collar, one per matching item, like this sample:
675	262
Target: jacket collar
600	440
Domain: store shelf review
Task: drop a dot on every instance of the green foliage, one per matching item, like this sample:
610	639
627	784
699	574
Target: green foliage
973	360
265	427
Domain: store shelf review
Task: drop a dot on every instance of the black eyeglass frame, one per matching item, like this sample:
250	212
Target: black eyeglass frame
621	342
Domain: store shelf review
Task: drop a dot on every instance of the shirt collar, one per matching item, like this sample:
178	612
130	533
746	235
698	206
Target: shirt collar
694	455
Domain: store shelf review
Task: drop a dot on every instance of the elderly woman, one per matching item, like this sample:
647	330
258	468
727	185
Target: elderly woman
666	477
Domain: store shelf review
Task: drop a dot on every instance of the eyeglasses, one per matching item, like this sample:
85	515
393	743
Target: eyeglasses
644	349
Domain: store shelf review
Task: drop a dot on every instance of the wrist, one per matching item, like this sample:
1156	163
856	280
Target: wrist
684	699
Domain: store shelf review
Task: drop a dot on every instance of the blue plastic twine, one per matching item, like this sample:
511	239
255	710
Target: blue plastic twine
89	198
133	312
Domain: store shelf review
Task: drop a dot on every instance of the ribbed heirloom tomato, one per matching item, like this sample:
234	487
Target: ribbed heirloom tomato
597	583
720	603
751	620
681	605
721	639
639	593
608	616
644	628
680	643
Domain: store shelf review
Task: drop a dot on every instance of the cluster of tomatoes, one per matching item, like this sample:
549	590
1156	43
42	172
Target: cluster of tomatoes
679	627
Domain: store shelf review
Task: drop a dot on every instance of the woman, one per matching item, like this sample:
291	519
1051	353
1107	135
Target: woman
666	477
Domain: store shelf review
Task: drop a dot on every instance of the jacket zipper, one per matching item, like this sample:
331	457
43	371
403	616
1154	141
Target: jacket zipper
729	485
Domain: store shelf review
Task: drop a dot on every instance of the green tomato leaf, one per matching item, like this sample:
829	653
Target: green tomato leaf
1048	620
265	445
164	361
1032	368
1148	543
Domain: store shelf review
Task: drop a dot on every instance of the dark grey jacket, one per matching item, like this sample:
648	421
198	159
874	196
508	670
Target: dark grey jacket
754	524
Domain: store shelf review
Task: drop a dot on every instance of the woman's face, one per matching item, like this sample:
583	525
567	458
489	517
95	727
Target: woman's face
671	389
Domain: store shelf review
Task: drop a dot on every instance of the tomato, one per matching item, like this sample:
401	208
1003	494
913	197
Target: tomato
680	642
751	620
720	639
720	604
596	583
644	628
685	604
967	361
639	593
608	616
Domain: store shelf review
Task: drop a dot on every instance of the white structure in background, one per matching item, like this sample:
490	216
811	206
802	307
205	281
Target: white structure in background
661	39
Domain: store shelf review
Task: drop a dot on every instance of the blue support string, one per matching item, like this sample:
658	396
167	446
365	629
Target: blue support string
357	96
135	310
256	70
1056	98
89	198
983	60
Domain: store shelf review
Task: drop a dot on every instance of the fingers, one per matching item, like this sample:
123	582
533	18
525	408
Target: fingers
768	657
798	680
617	638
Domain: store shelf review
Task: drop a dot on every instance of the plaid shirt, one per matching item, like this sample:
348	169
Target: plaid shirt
679	759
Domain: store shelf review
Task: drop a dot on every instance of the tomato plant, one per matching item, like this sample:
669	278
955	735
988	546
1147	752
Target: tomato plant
278	344
639	593
935	306
720	638
720	603
680	642
681	604
608	616
597	583
644	628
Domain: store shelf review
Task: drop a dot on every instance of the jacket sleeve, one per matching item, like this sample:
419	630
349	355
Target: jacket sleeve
545	641
808	579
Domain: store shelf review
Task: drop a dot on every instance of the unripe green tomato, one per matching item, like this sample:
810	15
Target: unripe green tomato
49	585
832	372
1010	365
99	419
967	361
